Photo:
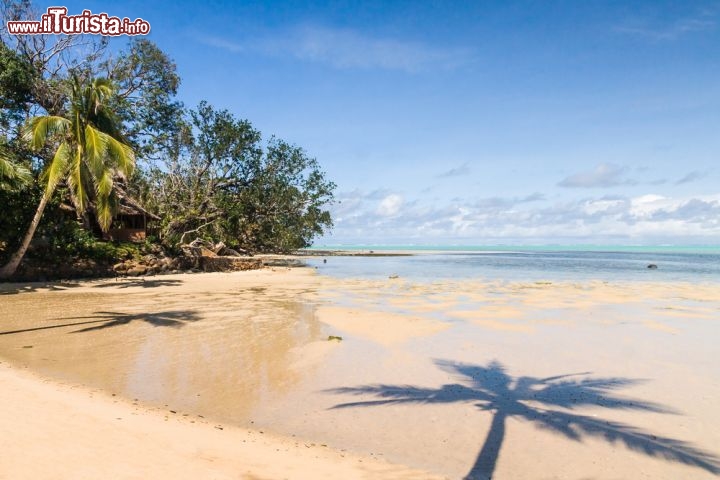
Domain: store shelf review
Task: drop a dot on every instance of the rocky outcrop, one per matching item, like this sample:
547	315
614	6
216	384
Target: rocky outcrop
198	256
194	259
229	264
32	271
152	265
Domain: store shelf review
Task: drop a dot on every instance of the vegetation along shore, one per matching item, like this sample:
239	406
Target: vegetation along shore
101	165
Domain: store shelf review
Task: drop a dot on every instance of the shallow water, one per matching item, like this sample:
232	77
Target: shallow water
213	354
531	265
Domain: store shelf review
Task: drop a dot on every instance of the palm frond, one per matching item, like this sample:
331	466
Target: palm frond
122	155
39	129
96	151
77	179
104	185
105	205
97	93
12	174
58	167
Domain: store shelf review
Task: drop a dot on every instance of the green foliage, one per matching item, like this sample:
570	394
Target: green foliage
18	207
205	172
59	238
223	185
89	150
85	246
13	175
147	82
16	79
281	208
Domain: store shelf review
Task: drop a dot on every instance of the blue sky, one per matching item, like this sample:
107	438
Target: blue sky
474	122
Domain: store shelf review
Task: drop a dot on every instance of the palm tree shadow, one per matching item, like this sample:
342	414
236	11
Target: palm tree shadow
547	402
31	287
173	318
141	282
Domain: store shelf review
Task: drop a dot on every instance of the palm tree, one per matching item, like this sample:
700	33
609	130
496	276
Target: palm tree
12	174
89	154
537	400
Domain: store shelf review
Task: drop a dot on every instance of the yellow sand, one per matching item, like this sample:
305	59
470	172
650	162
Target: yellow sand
130	378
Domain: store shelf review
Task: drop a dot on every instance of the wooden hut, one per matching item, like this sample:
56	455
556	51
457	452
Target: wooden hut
131	222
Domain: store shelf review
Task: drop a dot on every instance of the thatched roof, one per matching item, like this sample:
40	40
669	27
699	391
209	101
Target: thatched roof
130	206
126	204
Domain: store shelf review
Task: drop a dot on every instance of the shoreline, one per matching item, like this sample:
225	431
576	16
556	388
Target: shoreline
251	351
57	431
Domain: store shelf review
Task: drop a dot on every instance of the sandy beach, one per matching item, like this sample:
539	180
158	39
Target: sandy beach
232	375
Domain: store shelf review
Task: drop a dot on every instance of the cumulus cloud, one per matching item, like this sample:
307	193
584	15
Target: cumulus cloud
390	205
603	176
648	217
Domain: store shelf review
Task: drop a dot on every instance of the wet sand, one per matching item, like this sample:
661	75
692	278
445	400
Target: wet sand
471	378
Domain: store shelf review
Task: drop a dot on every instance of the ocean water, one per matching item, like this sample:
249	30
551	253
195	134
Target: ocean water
582	263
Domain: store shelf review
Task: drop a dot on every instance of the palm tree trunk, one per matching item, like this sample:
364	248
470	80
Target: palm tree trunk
8	270
487	458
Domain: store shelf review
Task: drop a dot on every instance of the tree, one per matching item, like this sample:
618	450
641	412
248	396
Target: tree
208	155
16	80
221	183
90	152
281	207
12	175
146	81
52	58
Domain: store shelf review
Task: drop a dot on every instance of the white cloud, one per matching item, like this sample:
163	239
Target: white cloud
459	171
603	176
347	49
644	205
390	205
648	217
693	176
671	30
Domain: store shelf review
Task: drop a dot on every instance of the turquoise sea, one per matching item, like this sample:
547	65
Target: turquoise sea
528	263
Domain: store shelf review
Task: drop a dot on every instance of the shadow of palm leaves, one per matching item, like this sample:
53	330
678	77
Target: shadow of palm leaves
537	400
173	318
141	282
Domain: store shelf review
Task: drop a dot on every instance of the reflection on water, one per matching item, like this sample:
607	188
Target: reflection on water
219	362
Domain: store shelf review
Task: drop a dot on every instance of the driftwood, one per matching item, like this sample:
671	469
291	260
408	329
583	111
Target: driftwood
202	248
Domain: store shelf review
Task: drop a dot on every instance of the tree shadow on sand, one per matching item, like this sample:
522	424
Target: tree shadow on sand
141	282
174	318
537	400
16	288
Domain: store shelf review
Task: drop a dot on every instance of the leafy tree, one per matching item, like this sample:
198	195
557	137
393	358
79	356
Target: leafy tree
35	74
145	79
53	59
89	153
12	175
147	82
16	80
281	207
220	183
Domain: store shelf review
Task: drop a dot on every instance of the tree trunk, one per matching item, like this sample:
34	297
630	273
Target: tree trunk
487	458
8	270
